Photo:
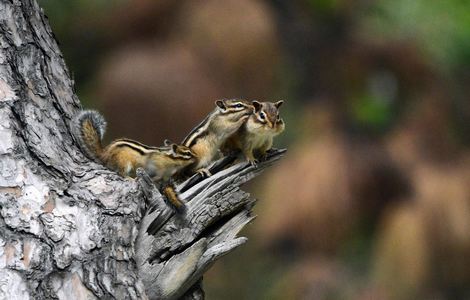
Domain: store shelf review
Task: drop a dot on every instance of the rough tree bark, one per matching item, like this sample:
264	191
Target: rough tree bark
71	229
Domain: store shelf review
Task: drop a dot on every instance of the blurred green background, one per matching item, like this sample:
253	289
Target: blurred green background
372	200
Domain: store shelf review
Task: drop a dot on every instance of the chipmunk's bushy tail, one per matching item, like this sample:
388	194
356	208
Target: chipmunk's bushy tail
88	129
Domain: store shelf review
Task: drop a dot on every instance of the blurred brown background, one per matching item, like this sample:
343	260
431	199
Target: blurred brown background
372	200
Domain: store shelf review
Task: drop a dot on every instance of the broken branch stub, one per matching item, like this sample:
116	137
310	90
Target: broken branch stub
174	250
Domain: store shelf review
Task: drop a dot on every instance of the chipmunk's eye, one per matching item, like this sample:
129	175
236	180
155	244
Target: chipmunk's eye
262	115
238	105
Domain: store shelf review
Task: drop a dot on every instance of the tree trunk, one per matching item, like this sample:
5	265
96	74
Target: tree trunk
70	228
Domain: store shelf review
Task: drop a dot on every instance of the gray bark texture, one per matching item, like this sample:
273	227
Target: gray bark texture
70	228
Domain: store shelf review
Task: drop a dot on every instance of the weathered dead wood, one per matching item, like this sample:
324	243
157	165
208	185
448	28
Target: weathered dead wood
174	250
71	229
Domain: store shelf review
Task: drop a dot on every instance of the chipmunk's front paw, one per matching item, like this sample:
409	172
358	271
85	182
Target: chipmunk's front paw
253	162
204	172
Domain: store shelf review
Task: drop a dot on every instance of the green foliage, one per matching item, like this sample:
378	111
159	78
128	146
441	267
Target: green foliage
371	112
440	28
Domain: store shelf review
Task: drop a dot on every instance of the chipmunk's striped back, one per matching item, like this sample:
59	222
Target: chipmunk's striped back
199	131
206	138
142	149
125	156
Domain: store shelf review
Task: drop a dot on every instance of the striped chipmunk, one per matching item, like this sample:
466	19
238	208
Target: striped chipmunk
125	156
255	137
206	138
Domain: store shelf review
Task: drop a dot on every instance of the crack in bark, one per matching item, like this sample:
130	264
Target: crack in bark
46	167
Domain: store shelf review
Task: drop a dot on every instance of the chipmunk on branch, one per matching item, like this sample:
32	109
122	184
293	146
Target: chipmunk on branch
206	138
125	156
256	135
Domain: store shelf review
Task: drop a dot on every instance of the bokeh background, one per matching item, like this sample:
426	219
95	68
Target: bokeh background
372	200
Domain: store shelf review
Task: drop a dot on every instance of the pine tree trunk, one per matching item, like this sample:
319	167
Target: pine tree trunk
71	229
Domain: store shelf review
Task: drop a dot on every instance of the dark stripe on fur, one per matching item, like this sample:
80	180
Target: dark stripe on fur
194	130
137	143
132	147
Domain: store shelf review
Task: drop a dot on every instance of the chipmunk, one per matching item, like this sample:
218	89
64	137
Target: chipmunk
206	138
125	156
256	136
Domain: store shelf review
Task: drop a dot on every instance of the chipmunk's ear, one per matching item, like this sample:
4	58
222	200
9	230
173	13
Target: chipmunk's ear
174	147
221	104
278	103
167	142
256	105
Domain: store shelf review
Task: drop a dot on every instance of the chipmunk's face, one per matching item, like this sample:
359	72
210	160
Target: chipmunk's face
168	160
233	113
180	153
266	118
